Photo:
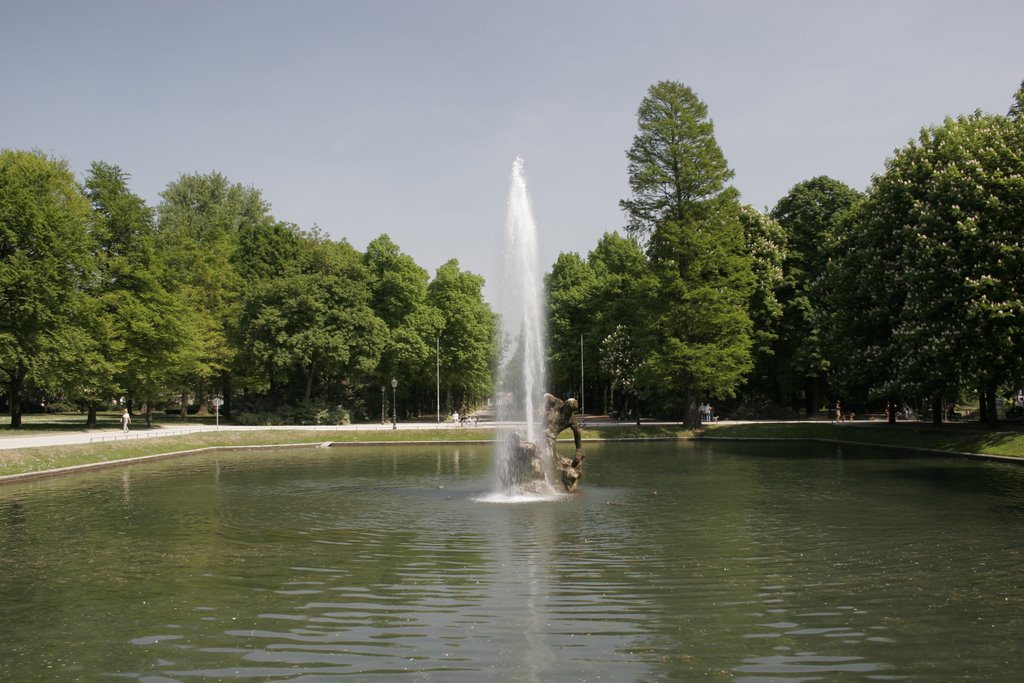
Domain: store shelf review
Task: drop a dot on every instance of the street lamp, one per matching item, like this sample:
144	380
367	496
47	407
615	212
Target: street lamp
394	406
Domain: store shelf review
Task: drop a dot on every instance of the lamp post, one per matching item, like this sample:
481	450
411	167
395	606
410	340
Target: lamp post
394	406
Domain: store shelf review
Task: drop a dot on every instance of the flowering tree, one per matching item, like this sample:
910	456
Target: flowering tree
928	293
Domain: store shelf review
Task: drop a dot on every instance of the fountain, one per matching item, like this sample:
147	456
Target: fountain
527	464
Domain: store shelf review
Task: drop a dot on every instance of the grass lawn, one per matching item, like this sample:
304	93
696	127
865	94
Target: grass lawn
18	460
1004	440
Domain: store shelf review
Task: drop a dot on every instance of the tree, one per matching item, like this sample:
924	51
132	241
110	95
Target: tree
698	337
621	293
398	288
943	226
675	163
266	251
766	242
200	221
315	319
469	335
809	214
620	362
46	262
124	230
569	288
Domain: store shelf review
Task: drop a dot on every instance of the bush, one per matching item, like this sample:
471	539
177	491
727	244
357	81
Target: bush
311	413
761	408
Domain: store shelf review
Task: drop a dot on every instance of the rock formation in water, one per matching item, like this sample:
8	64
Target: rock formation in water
529	464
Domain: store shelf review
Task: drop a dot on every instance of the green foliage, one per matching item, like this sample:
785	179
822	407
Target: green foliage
766	242
201	222
469	335
911	292
810	215
675	162
604	296
398	296
697	340
1017	108
314	412
941	231
124	229
315	318
570	293
265	249
46	266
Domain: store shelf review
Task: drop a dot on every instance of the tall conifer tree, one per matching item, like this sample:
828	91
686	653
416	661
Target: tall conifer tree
698	341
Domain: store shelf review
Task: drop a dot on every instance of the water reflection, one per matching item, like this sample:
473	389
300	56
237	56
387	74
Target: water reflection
753	565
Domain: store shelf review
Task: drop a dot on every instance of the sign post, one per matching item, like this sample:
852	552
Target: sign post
217	403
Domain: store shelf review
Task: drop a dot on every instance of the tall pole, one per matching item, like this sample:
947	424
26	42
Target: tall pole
438	339
583	402
394	405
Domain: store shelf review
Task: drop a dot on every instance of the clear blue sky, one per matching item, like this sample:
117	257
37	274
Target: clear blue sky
404	117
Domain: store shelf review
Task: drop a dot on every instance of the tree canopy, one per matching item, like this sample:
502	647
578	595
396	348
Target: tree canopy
909	292
46	249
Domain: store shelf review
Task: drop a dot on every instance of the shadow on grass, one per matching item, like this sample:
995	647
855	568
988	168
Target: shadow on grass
33	423
1003	439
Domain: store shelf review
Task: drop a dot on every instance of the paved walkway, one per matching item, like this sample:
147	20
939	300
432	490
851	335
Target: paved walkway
108	435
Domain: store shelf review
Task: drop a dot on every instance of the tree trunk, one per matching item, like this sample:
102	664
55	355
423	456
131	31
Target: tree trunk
990	403
149	414
90	420
17	379
810	397
184	406
225	408
937	412
692	418
308	393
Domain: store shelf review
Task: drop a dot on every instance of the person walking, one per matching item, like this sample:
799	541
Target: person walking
126	420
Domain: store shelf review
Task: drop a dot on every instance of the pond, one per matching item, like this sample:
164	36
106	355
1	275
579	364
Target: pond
678	561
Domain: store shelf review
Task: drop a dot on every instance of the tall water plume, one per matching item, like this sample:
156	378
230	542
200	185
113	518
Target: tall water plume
522	381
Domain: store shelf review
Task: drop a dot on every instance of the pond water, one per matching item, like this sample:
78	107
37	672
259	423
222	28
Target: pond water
678	561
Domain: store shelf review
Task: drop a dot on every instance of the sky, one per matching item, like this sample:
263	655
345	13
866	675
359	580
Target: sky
404	117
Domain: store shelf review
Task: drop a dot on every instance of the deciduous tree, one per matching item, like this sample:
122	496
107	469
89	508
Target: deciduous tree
469	335
46	263
941	227
398	289
316	320
809	214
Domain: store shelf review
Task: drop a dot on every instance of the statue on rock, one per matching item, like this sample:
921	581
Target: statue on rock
527	468
559	416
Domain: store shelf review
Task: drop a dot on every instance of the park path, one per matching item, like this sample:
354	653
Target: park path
110	435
